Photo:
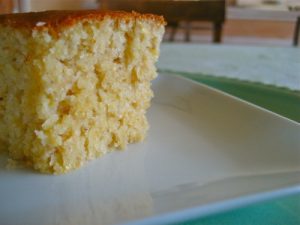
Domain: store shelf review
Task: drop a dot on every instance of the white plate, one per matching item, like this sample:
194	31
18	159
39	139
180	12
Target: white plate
206	152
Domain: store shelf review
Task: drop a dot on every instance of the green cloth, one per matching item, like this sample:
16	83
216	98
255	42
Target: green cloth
281	211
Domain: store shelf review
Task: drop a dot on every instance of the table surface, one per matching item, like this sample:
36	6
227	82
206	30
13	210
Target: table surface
263	66
278	66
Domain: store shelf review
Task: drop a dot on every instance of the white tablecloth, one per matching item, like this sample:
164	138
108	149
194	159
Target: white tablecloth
269	65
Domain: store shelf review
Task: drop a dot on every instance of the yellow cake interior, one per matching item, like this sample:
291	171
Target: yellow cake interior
70	97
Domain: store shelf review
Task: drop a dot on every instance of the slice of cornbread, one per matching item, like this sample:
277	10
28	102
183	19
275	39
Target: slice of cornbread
74	84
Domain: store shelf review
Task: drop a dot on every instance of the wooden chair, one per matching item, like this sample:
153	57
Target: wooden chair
296	32
176	11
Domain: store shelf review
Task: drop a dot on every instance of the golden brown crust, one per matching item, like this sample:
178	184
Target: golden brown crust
61	18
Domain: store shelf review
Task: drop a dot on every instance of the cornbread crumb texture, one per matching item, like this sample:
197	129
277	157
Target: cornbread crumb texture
71	96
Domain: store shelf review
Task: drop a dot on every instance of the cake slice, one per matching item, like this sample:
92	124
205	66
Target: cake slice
74	84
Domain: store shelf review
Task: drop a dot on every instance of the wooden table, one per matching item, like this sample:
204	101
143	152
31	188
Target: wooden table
176	11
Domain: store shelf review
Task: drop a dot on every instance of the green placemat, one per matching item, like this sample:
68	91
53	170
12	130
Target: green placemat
279	100
281	211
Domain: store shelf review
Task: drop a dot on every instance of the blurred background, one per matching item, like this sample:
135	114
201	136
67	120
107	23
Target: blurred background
250	22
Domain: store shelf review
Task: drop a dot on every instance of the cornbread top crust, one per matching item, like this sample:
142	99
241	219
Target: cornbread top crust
58	19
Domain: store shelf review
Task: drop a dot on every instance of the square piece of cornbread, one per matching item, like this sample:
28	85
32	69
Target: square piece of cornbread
74	84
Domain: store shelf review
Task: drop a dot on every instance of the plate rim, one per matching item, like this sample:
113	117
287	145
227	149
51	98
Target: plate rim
235	98
215	208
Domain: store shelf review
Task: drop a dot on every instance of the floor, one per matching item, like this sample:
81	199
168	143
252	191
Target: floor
245	32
